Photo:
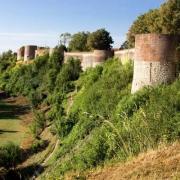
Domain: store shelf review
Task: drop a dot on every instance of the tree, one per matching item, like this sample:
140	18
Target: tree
56	59
165	20
125	45
65	38
146	23
7	59
100	40
170	17
79	42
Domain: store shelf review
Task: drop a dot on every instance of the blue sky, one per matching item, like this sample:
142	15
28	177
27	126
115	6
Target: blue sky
42	21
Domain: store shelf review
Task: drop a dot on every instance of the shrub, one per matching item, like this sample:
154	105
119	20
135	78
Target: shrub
38	123
38	145
10	155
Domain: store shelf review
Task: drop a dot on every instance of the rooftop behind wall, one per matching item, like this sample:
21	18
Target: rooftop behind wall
155	59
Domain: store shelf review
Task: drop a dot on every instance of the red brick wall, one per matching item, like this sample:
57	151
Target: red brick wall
156	47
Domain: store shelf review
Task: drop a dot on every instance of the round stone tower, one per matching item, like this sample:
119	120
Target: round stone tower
29	53
156	57
20	53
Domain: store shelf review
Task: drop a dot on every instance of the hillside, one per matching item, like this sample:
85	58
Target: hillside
162	163
110	124
15	116
93	114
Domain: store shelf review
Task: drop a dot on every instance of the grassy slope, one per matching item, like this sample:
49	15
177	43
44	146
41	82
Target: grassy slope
162	163
112	124
15	116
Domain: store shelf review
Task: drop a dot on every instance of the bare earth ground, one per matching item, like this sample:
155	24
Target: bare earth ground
160	164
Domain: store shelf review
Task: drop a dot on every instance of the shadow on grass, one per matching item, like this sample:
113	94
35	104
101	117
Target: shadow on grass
27	172
31	172
3	95
8	111
7	131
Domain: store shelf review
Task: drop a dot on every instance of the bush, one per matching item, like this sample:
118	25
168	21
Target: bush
38	145
10	155
38	123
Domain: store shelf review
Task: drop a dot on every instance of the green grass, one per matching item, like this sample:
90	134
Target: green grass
11	128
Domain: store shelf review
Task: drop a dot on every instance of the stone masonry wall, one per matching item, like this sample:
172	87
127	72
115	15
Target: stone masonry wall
125	55
29	52
155	62
89	59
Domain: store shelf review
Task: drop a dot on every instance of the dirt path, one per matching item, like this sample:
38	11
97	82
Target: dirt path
43	164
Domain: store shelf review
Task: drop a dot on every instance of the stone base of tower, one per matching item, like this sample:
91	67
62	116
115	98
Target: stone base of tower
151	73
156	56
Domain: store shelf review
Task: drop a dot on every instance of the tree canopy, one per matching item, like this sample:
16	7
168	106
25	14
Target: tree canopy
6	59
100	40
79	42
165	20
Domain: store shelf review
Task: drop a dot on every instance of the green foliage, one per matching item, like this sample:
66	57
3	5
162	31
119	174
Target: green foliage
64	39
10	155
69	73
100	40
125	45
146	23
45	82
107	123
38	123
7	59
170	17
38	145
56	59
79	42
165	20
